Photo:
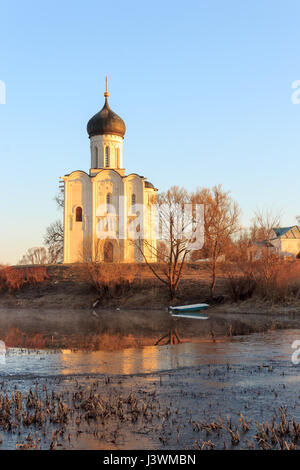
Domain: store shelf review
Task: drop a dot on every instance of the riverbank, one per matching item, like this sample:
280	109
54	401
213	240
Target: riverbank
68	287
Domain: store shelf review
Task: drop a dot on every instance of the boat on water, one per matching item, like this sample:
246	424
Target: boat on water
189	311
189	308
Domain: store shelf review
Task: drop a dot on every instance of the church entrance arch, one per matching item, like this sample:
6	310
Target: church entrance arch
108	252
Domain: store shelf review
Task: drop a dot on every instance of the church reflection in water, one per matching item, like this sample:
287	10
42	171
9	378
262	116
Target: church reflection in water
141	361
128	361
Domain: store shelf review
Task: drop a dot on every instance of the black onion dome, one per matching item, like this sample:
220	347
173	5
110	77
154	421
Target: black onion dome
106	122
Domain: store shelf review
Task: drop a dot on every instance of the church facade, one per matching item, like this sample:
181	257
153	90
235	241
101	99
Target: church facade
108	216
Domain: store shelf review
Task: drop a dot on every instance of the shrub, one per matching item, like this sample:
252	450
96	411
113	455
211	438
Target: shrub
271	277
277	279
240	288
238	285
12	278
112	280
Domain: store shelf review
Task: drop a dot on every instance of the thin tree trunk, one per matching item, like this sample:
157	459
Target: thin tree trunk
213	279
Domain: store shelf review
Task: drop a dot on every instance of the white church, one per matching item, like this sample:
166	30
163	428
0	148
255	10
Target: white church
108	216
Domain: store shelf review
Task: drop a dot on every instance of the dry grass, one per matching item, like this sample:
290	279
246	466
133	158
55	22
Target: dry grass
112	280
46	415
271	278
127	285
14	278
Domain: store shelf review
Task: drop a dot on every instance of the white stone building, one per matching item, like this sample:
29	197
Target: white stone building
283	241
286	241
108	216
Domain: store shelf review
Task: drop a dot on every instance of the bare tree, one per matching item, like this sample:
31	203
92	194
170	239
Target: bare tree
264	271
54	236
221	224
35	255
178	227
263	224
60	200
54	240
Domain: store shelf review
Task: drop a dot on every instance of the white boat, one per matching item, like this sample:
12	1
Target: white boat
189	308
189	311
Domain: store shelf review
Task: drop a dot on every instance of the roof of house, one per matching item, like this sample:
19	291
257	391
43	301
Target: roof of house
287	232
262	244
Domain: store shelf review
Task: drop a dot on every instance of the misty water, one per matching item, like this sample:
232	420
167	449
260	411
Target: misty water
175	390
273	347
47	343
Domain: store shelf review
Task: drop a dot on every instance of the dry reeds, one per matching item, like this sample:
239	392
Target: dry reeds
14	278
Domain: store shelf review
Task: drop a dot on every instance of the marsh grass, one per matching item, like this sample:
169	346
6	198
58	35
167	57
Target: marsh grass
48	417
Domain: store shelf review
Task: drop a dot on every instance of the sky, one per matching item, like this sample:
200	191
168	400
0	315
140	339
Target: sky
204	88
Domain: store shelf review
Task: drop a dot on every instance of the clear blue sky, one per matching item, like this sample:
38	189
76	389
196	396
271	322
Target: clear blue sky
203	86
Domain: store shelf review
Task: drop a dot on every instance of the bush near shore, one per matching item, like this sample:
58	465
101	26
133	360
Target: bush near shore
131	285
270	278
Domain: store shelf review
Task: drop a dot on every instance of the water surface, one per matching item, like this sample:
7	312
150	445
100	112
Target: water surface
270	347
162	397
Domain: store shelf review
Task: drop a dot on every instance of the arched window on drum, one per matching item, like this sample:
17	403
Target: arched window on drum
107	156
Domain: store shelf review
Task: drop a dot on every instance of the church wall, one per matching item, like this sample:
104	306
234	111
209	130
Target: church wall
77	195
81	237
133	185
105	218
150	224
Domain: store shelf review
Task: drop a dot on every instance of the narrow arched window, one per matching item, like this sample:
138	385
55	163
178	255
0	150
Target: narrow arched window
107	156
118	157
133	200
78	214
96	157
108	201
